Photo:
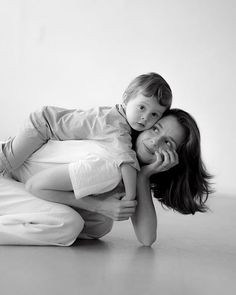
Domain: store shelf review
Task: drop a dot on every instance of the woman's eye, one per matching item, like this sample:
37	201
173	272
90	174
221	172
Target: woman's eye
154	115
168	143
141	107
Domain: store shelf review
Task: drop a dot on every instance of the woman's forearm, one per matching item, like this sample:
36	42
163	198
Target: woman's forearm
144	220
107	204
89	203
54	185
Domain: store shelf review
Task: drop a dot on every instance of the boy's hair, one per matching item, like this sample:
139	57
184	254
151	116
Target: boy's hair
150	85
185	187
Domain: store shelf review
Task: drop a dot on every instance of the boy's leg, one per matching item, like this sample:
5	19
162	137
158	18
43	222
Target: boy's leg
26	220
96	225
34	133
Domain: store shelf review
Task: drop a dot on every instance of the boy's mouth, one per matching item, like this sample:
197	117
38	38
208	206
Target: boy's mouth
141	125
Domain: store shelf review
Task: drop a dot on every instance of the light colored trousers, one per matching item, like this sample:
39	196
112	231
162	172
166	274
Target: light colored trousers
27	220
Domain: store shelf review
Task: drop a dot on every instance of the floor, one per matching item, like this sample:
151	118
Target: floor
194	255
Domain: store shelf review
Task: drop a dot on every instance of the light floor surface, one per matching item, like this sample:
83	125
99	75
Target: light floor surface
194	255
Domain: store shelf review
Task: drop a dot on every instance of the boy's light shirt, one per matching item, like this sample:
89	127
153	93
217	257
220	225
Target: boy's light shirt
105	124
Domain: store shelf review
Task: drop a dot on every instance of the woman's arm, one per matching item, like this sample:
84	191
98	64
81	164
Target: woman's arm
54	185
145	220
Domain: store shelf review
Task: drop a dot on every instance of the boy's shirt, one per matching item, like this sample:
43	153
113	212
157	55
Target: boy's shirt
107	124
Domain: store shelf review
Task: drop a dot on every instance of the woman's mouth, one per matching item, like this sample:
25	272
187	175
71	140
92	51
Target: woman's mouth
148	149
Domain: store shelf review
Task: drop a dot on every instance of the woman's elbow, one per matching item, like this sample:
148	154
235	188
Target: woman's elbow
147	241
29	186
32	187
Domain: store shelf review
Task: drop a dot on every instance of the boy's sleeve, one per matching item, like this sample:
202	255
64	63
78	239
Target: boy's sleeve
128	158
65	124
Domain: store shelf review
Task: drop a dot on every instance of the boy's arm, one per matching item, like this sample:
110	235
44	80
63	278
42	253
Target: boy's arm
129	176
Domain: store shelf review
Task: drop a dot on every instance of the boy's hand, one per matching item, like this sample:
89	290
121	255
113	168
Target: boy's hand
117	209
128	198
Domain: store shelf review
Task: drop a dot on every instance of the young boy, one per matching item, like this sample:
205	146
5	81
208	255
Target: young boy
145	100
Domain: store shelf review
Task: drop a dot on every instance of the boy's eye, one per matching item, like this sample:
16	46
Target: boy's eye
141	107
155	129
154	115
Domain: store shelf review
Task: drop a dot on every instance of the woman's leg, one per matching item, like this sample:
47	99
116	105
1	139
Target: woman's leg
26	220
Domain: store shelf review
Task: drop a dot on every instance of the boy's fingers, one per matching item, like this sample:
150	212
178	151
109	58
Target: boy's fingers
128	210
129	204
119	195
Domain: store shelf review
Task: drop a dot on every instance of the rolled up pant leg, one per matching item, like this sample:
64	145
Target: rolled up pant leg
26	220
96	225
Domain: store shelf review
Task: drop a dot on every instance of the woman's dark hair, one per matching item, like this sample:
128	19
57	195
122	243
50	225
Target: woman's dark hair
185	187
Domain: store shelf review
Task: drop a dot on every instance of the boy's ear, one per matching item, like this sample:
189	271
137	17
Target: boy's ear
124	105
124	97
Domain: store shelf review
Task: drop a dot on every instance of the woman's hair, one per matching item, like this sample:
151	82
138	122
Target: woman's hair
185	187
150	85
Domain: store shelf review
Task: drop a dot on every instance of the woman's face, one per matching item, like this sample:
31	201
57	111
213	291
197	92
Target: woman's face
167	133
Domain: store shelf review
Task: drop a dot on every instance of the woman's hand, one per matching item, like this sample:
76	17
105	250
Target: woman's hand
164	161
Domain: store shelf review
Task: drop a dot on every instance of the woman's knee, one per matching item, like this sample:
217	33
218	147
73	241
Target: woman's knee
96	228
106	227
73	225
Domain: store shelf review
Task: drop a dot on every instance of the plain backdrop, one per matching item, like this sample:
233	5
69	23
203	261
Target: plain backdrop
79	54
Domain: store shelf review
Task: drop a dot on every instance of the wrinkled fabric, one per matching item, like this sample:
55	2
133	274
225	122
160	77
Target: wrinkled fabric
27	220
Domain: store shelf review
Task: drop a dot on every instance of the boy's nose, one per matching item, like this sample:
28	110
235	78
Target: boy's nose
143	119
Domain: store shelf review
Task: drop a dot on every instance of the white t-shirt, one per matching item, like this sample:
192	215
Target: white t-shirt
93	167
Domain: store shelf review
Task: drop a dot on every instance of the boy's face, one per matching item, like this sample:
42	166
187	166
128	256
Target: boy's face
143	112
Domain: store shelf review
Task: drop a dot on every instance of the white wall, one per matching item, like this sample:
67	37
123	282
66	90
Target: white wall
84	53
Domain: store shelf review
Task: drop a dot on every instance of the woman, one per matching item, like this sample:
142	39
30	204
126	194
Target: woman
157	147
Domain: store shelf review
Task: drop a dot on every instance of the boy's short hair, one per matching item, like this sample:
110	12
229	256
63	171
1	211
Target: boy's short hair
150	85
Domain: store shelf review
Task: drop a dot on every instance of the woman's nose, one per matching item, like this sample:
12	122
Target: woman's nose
157	143
154	142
